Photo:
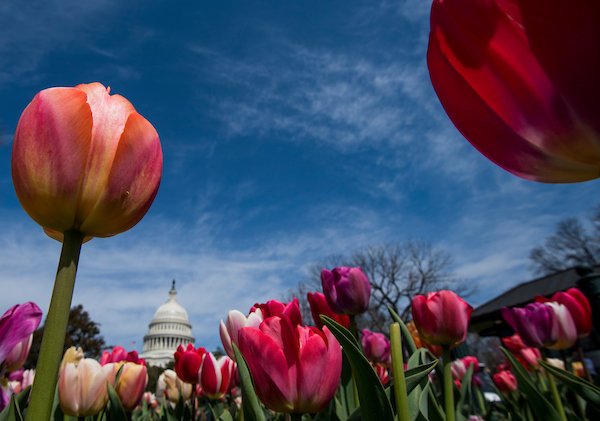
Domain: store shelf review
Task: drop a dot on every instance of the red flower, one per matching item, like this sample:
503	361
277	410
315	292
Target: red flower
520	81
319	306
188	362
277	308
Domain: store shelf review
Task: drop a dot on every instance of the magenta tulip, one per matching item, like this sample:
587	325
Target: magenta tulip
188	362
85	160
277	308
578	306
318	306
215	375
16	326
520	81
347	290
442	318
234	322
536	324
377	347
17	356
295	369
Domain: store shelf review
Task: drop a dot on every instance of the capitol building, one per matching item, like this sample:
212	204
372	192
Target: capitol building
168	329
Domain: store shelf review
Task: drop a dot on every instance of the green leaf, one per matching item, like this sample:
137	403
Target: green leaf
588	391
226	416
410	343
11	411
414	376
374	402
116	411
250	403
541	407
463	406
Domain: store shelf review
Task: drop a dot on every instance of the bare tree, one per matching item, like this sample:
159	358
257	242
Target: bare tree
570	245
397	273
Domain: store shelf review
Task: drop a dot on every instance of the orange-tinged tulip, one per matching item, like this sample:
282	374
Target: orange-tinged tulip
82	389
519	79
85	160
132	383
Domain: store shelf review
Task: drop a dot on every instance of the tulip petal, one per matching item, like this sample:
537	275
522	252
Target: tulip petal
269	369
16	325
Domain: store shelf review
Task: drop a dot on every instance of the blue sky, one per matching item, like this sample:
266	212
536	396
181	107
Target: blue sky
290	131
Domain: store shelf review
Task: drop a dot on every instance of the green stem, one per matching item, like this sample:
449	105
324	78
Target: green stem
55	330
296	417
398	372
354	332
554	390
448	384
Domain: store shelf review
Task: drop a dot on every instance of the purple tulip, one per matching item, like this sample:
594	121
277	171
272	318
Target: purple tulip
347	290
537	324
17	325
377	348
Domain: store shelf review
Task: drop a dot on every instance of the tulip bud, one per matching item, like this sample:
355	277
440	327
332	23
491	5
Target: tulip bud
567	332
82	389
556	362
578	369
382	373
74	355
188	362
117	354
468	361
170	385
319	306
505	381
17	356
347	290
579	308
85	160
442	318
215	375
377	348
458	369
234	322
277	308
536	324
132	383
17	325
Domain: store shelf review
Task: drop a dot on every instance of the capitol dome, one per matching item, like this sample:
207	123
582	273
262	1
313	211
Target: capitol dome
169	328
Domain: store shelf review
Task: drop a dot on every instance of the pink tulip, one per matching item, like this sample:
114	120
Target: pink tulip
505	381
458	370
82	389
188	362
277	308
442	318
215	375
536	324
513	343
295	369
85	160
529	358
319	306
567	331
578	306
377	348
18	355
132	383
6	392
16	326
520	81
471	360
234	322
347	290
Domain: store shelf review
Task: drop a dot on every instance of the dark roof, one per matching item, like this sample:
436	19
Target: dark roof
487	318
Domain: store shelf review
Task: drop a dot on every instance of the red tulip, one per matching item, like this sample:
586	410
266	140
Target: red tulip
442	318
295	369
383	372
85	160
215	375
277	308
347	290
505	381
520	81
319	306
188	362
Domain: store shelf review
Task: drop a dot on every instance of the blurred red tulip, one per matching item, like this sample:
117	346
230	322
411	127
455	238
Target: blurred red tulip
520	81
578	306
319	306
442	317
277	308
188	362
505	381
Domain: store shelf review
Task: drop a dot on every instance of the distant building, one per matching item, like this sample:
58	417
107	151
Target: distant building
169	328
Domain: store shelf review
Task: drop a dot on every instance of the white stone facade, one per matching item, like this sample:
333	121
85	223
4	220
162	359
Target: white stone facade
168	329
